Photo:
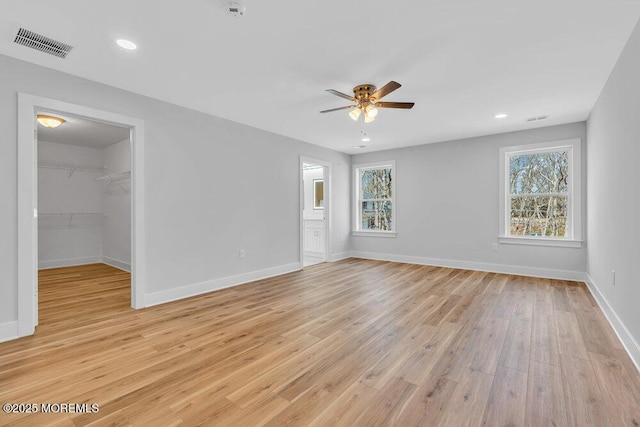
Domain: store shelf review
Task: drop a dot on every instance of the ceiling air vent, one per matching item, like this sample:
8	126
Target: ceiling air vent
43	44
536	118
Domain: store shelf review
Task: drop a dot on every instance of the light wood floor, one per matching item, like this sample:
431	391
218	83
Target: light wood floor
353	343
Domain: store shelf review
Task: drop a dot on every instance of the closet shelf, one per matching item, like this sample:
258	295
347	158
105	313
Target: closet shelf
70	219
72	167
115	176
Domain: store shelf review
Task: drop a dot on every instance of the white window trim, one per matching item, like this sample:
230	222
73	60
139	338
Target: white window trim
574	206
356	179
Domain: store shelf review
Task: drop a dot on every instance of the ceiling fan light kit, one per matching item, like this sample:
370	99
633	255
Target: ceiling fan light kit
367	98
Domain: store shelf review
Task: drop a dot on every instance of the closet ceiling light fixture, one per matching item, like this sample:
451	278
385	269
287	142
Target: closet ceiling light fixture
50	121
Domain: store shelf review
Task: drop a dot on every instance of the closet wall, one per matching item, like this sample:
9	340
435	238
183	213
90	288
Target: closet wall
116	231
83	213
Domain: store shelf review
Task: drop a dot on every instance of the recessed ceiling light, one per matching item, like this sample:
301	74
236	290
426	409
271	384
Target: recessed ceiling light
126	44
366	139
501	116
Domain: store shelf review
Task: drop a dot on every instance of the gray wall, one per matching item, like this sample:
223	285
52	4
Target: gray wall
212	186
447	205
613	151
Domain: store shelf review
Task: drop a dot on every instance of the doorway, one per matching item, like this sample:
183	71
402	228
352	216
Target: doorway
29	107
315	211
84	215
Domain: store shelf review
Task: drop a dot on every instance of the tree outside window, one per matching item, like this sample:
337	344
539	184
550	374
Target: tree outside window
540	194
375	197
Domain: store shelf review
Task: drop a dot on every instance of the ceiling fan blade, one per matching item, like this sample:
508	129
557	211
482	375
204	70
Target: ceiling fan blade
341	95
336	109
406	105
385	90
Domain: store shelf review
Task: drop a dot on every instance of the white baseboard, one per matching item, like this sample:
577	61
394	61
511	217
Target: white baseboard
43	265
340	256
547	273
8	331
116	263
628	341
174	294
313	254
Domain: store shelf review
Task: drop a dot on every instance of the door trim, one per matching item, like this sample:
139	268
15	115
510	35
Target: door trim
28	106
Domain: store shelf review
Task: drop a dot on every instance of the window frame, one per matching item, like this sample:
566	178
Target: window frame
574	194
357	172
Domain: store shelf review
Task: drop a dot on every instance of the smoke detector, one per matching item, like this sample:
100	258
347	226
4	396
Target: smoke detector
237	9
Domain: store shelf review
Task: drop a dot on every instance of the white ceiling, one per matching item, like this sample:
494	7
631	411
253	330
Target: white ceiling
86	133
460	61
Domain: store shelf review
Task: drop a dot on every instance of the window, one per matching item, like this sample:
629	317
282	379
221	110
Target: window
375	199
540	194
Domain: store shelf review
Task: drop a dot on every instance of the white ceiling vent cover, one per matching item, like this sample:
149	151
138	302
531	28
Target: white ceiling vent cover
43	44
536	118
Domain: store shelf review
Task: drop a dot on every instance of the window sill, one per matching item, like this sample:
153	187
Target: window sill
374	233
540	241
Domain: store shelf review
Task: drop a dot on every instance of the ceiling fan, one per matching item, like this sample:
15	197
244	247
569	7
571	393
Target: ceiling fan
367	98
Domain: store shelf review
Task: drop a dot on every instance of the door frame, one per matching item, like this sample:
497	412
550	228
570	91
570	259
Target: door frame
28	107
327	205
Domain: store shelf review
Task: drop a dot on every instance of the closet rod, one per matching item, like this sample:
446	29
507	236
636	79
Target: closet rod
72	167
115	176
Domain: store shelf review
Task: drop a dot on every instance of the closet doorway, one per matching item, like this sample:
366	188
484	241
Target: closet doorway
80	197
84	219
84	194
315	211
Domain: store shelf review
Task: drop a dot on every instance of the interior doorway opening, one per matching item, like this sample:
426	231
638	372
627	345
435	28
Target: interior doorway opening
84	217
315	202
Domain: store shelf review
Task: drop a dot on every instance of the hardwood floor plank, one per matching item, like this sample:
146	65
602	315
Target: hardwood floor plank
517	344
344	410
389	365
304	410
585	402
559	295
350	343
621	395
387	405
507	399
491	341
468	401
426	406
596	339
544	339
570	342
545	396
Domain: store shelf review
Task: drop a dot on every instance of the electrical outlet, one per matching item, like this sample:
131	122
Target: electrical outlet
495	246
241	254
613	277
